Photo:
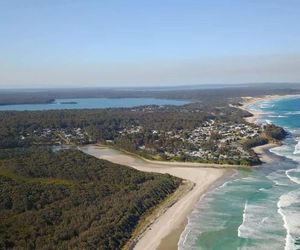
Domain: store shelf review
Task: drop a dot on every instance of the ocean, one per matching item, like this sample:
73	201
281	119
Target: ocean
92	103
258	208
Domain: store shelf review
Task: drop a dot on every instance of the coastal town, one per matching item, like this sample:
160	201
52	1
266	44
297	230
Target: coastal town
53	136
214	141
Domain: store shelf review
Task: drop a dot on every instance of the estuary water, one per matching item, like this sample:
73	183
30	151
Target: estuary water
259	208
92	103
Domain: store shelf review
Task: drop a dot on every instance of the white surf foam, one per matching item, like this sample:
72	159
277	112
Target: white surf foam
264	219
194	229
293	178
277	116
232	179
283	150
288	238
278	178
293	113
290	216
290	151
268	121
183	243
259	224
266	105
297	147
241	227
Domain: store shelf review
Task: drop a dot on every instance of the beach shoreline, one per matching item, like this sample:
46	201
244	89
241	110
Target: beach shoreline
164	232
249	100
171	241
262	151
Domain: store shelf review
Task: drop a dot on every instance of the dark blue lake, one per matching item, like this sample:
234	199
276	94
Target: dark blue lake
93	103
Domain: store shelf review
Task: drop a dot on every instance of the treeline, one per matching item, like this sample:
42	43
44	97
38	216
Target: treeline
24	98
217	95
69	200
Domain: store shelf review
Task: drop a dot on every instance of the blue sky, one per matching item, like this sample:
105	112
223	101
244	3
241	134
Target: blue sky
157	42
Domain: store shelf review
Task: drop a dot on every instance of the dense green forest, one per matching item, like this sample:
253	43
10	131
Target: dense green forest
104	124
69	200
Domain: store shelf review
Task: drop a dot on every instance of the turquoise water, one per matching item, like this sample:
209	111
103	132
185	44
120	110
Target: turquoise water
93	103
257	209
284	112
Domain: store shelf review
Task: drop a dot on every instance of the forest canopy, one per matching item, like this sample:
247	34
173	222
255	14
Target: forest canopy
69	200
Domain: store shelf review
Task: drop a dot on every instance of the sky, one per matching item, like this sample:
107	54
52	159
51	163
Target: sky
89	43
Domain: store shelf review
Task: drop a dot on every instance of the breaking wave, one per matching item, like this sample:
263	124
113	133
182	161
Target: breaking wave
291	217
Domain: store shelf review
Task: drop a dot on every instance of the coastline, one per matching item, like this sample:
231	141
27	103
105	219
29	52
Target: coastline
289	224
170	242
249	100
164	231
262	151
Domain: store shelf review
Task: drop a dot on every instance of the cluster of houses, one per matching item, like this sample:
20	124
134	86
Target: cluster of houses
222	132
131	130
58	136
213	141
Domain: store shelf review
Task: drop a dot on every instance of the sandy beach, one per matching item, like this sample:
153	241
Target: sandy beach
165	231
262	151
248	101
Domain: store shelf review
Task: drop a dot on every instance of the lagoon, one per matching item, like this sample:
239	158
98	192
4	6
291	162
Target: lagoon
92	103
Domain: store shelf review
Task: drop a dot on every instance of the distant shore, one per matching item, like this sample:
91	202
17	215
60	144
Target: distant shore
248	101
164	231
262	151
